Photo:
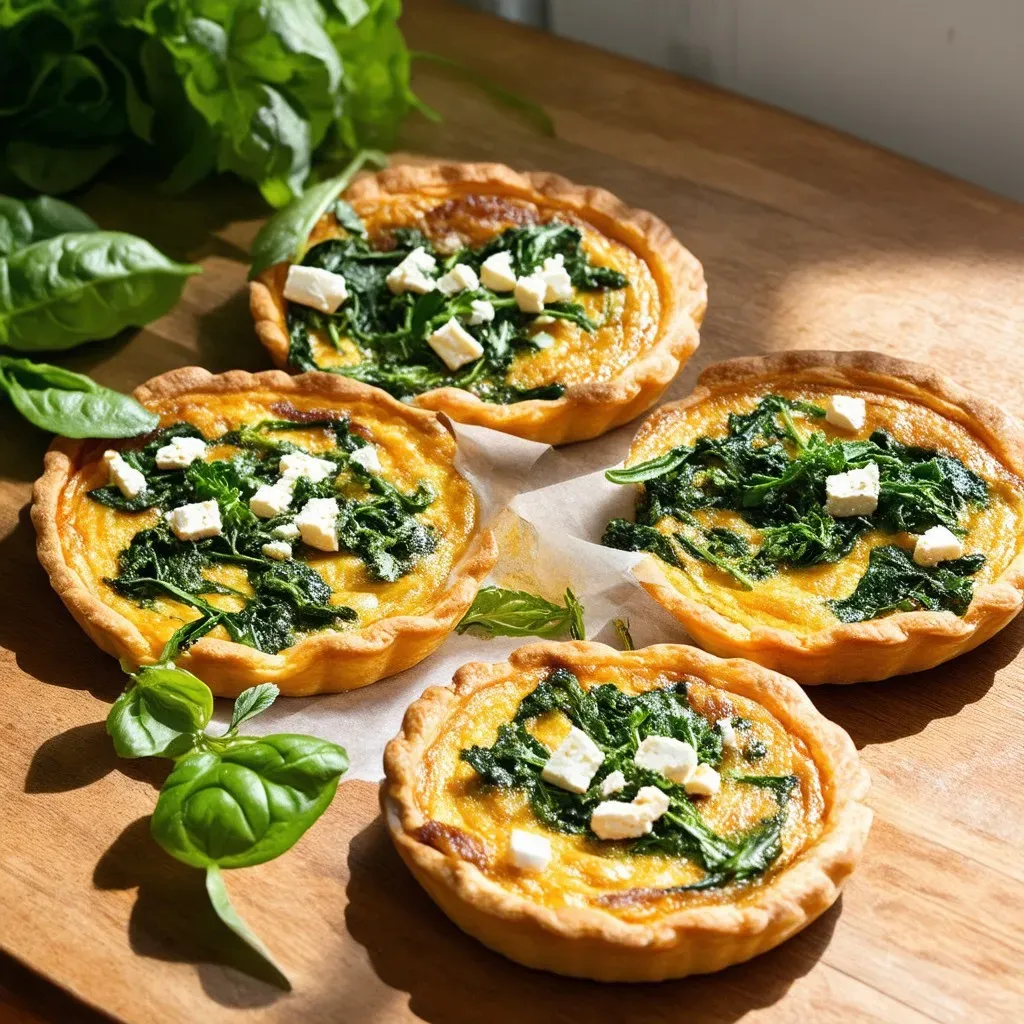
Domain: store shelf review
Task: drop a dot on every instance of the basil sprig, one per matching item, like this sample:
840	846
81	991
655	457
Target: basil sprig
500	612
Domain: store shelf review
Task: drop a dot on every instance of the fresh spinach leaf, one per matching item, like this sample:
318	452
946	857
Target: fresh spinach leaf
23	222
500	612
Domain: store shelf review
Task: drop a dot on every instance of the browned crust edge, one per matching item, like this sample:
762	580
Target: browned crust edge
880	648
590	942
321	663
586	410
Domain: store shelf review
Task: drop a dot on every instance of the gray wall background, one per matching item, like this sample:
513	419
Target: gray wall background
940	81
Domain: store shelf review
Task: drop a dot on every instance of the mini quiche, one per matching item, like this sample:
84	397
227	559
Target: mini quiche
308	531
836	517
515	301
625	816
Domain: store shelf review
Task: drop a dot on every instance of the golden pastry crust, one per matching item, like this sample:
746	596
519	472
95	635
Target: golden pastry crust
322	662
587	409
593	942
895	644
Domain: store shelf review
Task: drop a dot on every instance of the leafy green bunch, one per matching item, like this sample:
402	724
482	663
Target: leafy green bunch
496	611
231	800
618	722
288	597
773	473
259	88
391	331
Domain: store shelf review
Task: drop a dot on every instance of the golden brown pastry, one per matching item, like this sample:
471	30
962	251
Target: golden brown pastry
625	816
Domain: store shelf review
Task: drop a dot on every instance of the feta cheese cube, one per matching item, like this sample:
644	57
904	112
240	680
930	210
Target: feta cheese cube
461	277
296	464
937	545
612	783
654	800
614	819
854	493
675	759
556	277
704	781
573	763
728	734
542	340
530	292
544	321
278	550
197	521
413	273
480	312
272	500
180	453
317	522
455	345
286	531
313	286
497	274
845	412
529	851
367	458
126	478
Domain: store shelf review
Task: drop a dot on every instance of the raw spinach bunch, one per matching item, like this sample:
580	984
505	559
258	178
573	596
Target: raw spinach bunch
618	722
391	331
772	472
231	800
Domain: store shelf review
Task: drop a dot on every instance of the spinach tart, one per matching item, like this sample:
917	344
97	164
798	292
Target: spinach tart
517	301
836	517
308	531
625	816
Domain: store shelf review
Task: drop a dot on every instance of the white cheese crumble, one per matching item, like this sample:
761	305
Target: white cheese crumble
316	287
573	763
937	545
612	783
413	273
675	759
704	781
544	321
654	800
271	500
197	521
455	345
529	851
367	458
542	340
286	531
846	412
462	277
480	312
296	464
728	733
497	274
278	550
180	453
530	292
614	819
316	523
854	493
556	277
127	479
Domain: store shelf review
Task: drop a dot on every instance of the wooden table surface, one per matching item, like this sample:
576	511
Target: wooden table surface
808	239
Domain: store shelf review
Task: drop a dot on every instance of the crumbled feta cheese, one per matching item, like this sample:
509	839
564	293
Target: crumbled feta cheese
180	453
557	280
480	312
937	545
313	286
271	500
530	292
296	464
127	479
497	274
542	340
529	851
197	521
845	412
455	345
614	819
286	531
460	278
278	550
612	783
367	458
704	781
654	800
854	493
413	273
573	763
544	321
728	734
317	523
675	759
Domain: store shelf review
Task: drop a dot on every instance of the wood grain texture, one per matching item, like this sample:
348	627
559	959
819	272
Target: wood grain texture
808	239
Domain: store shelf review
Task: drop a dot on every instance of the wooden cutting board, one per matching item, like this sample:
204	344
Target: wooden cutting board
809	239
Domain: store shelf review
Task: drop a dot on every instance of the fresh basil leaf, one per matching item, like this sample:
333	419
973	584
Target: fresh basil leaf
70	404
246	801
161	714
285	235
348	218
225	910
23	222
252	702
500	612
80	287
